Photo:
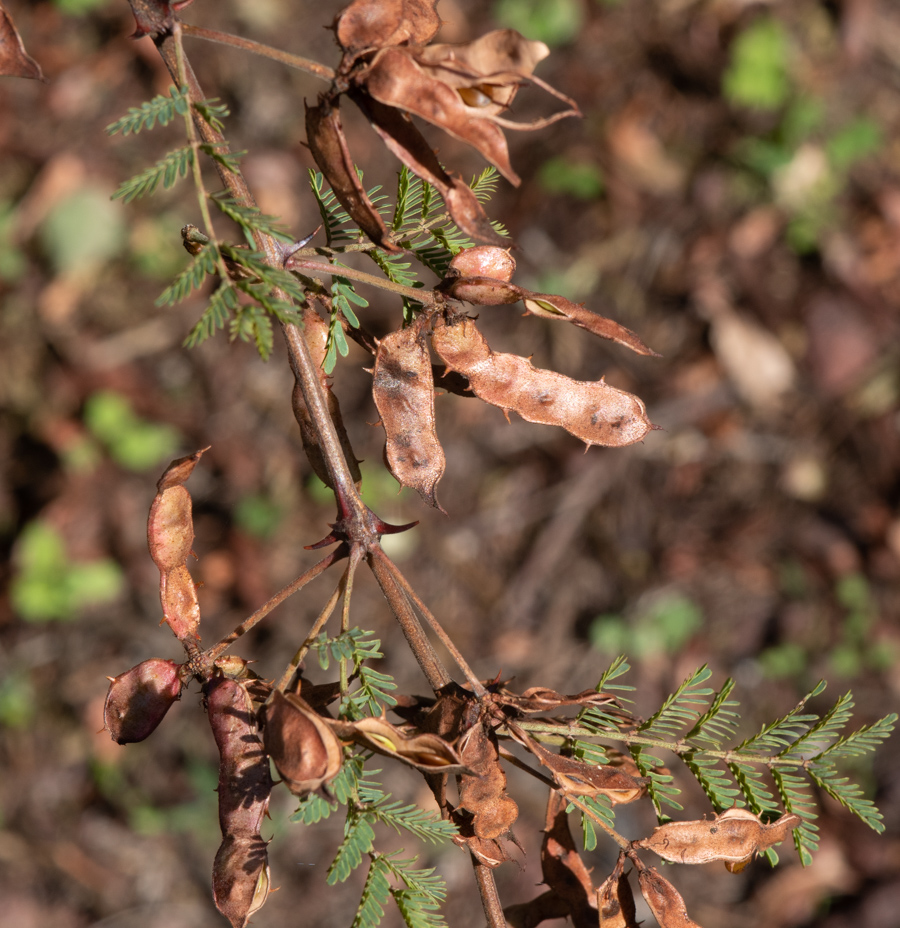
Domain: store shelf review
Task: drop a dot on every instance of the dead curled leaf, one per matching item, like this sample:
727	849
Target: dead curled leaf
138	699
170	534
595	412
315	331
14	60
306	752
736	837
403	390
664	900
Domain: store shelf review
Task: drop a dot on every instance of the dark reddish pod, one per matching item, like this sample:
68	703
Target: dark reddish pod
139	699
241	878
241	869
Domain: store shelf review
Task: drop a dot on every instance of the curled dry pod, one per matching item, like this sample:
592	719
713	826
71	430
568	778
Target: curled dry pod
551	306
484	261
325	136
241	878
664	900
403	389
315	331
423	750
615	901
138	699
735	836
483	291
305	751
595	412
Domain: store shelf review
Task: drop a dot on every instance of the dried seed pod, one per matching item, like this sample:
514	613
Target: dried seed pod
403	390
14	60
595	412
305	751
315	331
484	261
139	699
615	900
367	24
241	870
170	534
241	878
551	306
325	136
577	778
665	902
736	837
483	791
562	867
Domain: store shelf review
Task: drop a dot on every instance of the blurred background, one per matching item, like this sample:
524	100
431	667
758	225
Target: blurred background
732	194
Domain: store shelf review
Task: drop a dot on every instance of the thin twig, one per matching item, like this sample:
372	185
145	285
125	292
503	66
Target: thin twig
317	627
298	584
490	898
419	294
257	48
446	641
421	647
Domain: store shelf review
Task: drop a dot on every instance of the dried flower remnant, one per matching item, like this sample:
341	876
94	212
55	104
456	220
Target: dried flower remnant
736	837
241	870
139	699
305	751
403	390
595	412
170	534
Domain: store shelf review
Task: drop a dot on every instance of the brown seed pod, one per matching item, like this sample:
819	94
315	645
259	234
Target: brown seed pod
483	791
139	699
615	901
170	534
484	261
595	412
665	901
403	389
305	751
365	24
736	837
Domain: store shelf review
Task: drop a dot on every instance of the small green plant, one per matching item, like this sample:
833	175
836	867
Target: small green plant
49	586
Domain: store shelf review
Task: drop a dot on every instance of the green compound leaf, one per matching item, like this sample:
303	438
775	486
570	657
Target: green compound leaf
160	109
167	171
